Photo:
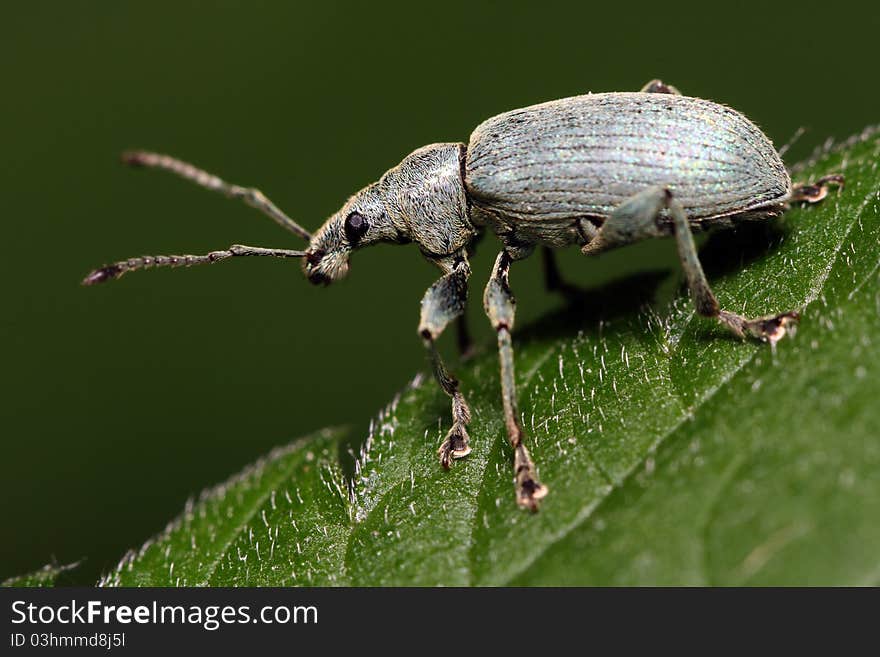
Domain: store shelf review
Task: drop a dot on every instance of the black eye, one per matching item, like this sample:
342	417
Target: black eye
355	226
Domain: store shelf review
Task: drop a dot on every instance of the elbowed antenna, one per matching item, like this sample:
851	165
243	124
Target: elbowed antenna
117	269
253	197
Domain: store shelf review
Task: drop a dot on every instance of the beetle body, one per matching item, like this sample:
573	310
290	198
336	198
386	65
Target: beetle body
596	171
548	171
551	174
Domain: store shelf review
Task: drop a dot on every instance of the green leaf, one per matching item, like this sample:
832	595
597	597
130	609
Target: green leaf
283	520
44	577
674	454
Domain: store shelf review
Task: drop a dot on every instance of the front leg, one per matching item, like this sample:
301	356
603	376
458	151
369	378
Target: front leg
445	301
500	306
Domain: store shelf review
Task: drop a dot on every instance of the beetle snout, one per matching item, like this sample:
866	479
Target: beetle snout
322	268
313	258
312	267
317	278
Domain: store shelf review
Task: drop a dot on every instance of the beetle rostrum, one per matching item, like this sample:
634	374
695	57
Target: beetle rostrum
597	172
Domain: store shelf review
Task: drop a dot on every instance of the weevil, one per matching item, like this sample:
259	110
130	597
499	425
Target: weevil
596	171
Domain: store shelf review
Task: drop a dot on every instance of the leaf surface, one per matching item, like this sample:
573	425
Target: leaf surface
44	577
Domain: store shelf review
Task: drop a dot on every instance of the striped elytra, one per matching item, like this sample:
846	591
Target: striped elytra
583	156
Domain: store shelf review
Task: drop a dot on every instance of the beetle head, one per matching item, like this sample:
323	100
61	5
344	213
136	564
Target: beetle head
422	200
363	220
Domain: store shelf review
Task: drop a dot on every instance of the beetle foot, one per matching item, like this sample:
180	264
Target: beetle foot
816	191
455	445
660	87
529	491
767	329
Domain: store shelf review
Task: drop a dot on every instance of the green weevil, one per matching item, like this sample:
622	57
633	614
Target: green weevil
597	171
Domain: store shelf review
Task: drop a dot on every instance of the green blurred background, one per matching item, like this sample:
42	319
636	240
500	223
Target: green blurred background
119	402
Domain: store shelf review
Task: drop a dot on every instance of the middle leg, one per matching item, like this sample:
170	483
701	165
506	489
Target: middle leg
500	307
553	280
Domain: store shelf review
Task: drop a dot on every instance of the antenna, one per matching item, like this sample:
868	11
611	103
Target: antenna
253	197
117	269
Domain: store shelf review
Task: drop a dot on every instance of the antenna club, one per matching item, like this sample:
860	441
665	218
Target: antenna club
136	158
103	274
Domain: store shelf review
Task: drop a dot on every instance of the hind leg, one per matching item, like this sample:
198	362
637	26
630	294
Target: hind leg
771	328
639	218
815	191
659	87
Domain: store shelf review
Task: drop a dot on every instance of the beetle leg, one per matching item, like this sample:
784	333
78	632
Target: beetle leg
500	307
553	278
659	87
445	301
634	220
768	329
463	334
640	217
815	191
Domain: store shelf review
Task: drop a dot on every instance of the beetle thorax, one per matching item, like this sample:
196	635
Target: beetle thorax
426	194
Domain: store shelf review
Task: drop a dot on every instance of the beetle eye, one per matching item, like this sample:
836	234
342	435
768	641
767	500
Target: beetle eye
355	226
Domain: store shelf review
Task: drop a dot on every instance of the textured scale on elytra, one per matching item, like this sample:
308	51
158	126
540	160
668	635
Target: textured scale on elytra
582	156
